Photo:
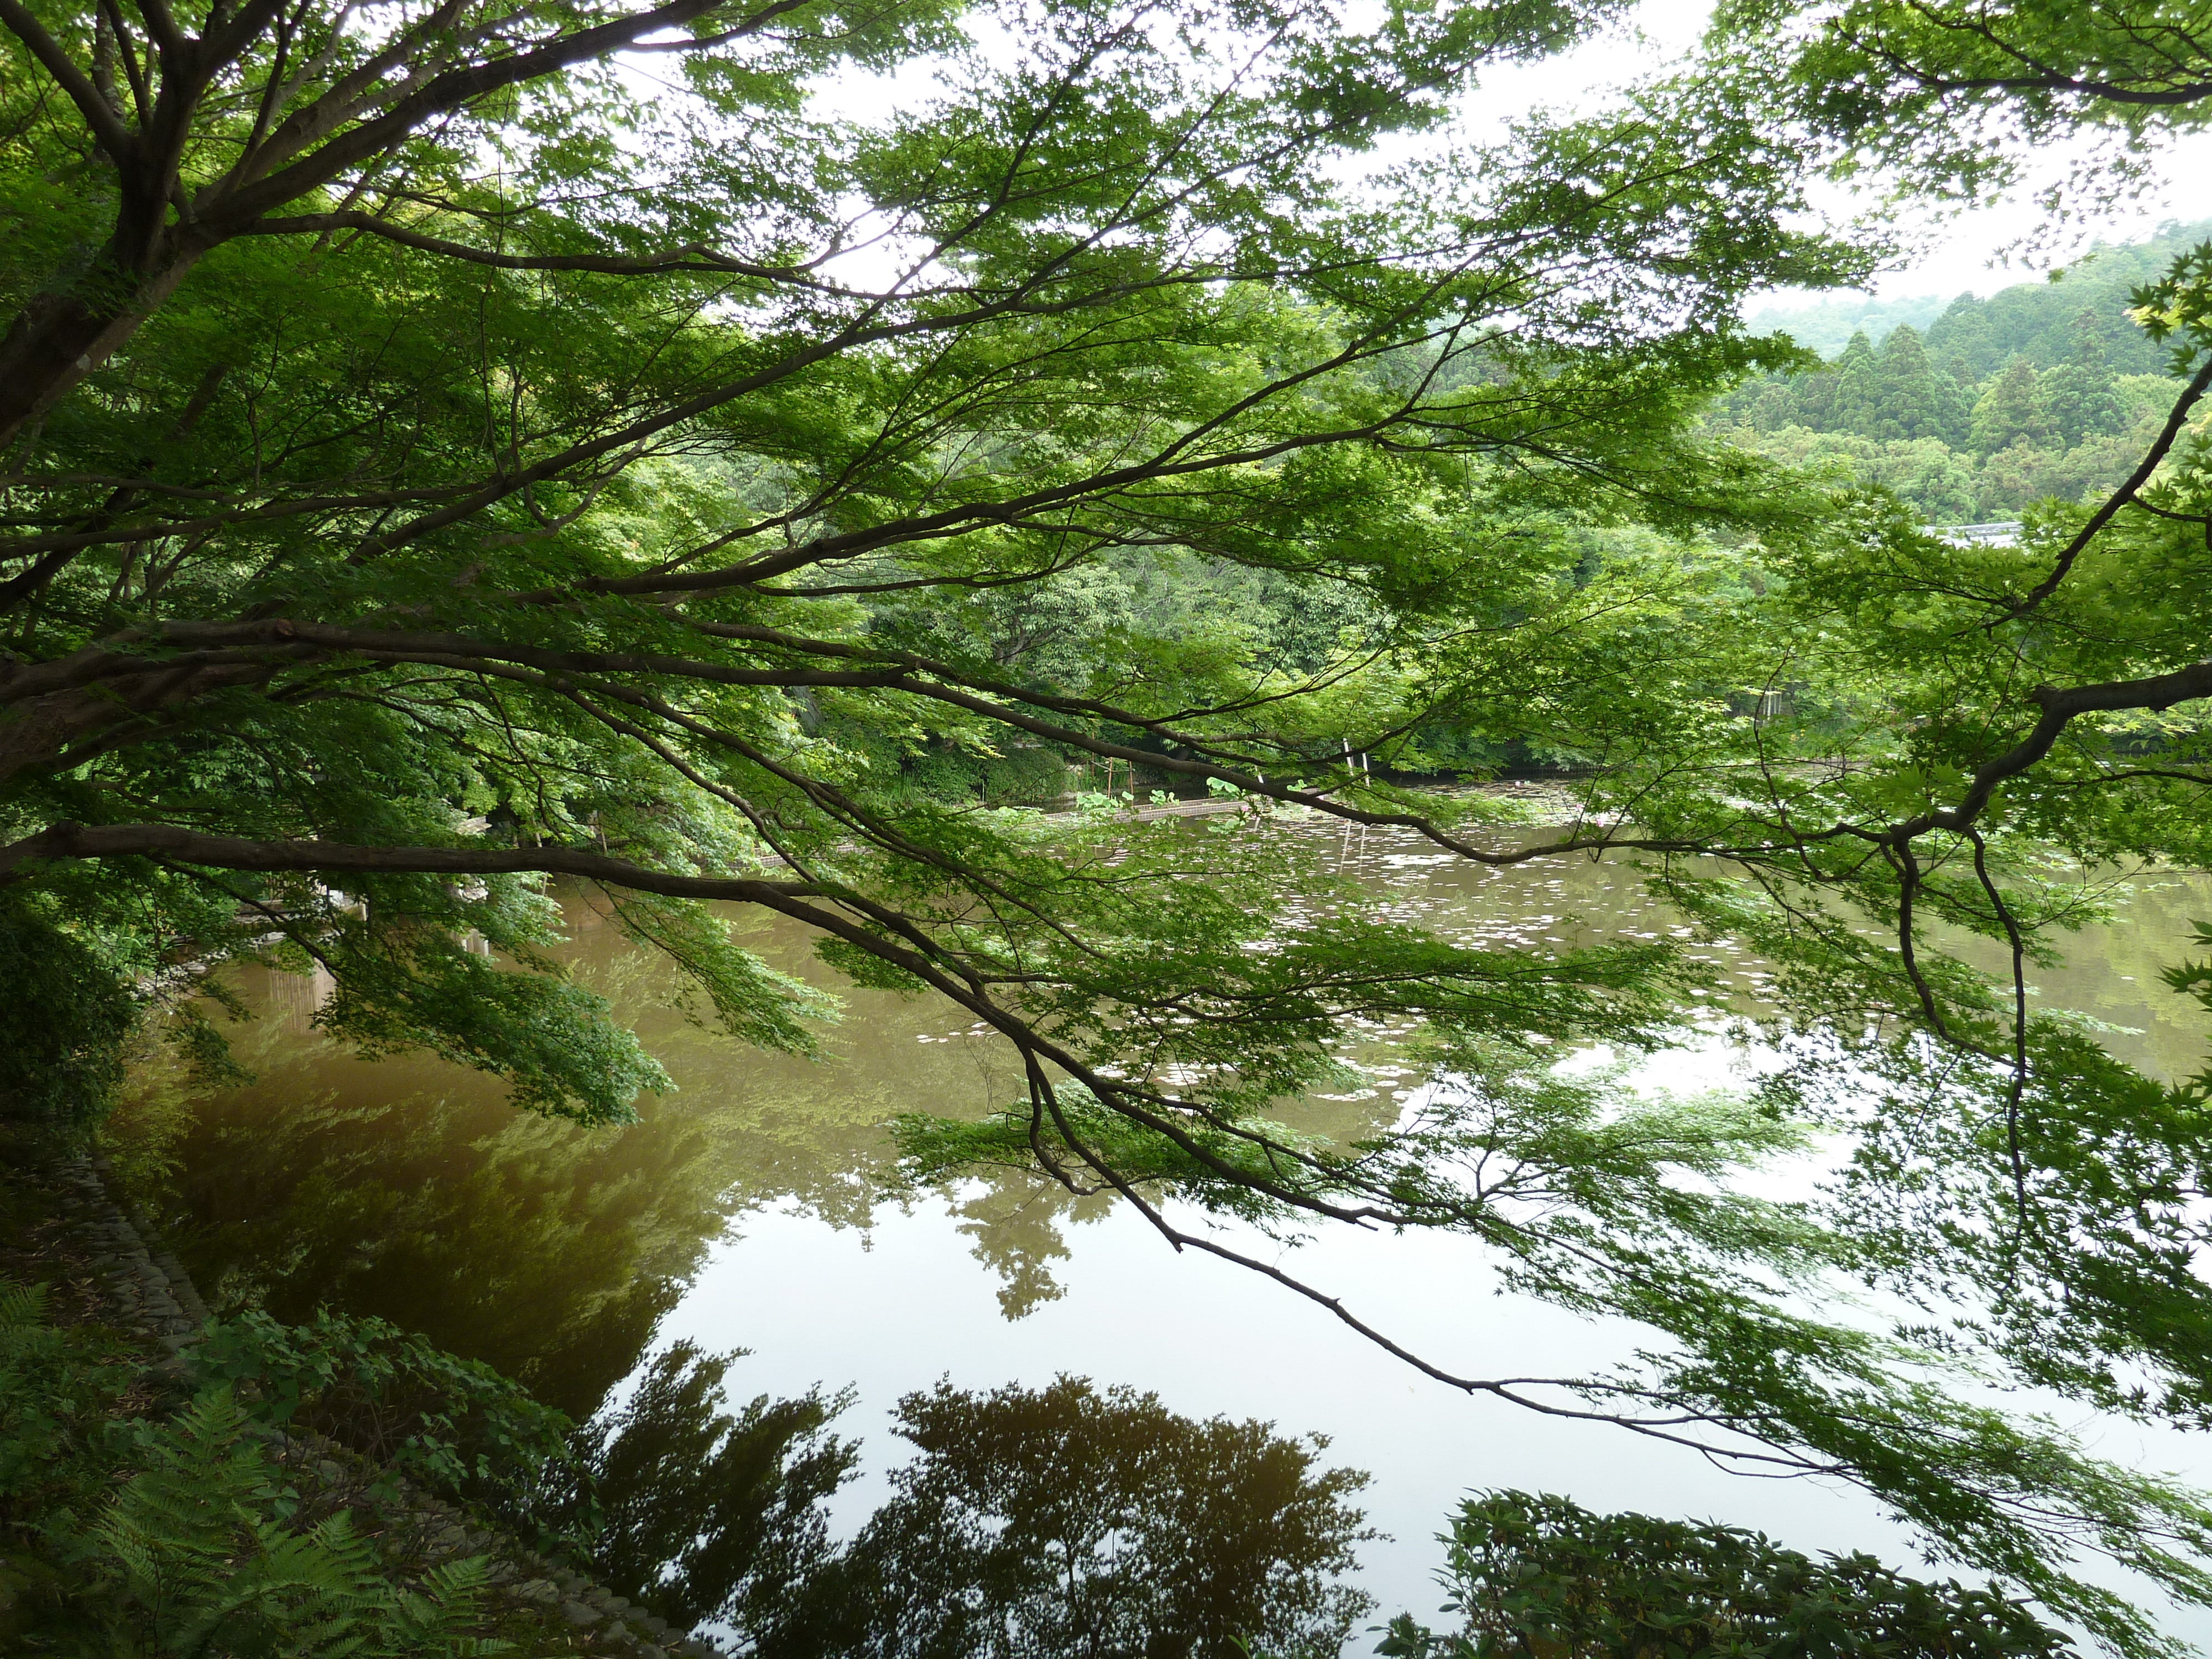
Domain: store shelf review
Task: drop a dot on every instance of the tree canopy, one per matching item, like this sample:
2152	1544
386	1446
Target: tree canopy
452	447
1534	1575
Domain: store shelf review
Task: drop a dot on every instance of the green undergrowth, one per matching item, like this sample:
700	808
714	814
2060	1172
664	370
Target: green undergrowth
152	1509
149	1515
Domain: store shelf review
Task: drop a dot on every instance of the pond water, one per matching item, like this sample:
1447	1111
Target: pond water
750	1208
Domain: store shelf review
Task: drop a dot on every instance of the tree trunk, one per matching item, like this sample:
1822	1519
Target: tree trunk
63	726
58	338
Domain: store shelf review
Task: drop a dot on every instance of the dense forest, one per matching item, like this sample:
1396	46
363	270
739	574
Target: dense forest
474	475
2045	389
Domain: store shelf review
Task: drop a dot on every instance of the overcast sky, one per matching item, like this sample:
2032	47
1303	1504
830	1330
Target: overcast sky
1976	251
1962	254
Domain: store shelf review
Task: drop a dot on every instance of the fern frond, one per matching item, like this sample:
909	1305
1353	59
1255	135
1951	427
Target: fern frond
169	1536
430	1620
23	1306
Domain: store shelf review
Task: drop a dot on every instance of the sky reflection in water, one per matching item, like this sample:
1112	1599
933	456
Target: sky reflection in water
748	1210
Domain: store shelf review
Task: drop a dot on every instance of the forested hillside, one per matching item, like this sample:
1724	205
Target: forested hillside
2046	388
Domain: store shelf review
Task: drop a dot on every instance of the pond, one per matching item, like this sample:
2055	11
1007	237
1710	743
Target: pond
752	1208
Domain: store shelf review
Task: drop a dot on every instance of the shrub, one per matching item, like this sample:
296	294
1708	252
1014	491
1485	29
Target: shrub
130	1535
62	1022
456	1425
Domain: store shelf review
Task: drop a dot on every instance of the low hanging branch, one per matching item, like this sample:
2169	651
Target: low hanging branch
588	516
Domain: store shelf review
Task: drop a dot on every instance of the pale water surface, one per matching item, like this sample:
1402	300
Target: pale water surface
749	1209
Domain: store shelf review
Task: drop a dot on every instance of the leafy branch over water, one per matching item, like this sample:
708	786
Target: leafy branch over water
441	460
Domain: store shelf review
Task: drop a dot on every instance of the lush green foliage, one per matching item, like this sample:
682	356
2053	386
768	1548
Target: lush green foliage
2195	979
1973	338
455	1425
442	459
61	1050
2040	390
1540	1577
141	1534
193	1556
1957	94
59	1387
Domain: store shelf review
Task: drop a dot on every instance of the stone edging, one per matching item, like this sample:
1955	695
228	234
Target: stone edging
159	1298
156	1293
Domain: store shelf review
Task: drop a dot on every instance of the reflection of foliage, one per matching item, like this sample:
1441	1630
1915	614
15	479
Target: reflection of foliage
1613	1205
702	1515
546	1251
411	1191
1066	1521
1014	1222
455	1425
521	1243
539	1246
1539	1576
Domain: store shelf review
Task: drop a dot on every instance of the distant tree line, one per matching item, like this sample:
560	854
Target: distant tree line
2043	389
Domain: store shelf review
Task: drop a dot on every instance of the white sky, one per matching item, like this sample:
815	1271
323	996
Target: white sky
1963	253
1977	251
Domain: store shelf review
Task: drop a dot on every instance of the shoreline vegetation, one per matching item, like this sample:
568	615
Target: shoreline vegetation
238	1525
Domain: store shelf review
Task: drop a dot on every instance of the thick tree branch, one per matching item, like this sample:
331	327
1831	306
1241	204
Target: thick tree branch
2119	499
107	128
242	203
692	257
167	840
2060	708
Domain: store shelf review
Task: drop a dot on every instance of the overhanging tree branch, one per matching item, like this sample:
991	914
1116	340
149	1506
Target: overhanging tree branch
2119	498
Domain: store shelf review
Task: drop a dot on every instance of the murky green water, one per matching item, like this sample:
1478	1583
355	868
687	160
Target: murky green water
750	1209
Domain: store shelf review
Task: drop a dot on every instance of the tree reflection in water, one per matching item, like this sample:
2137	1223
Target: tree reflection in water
1064	1522
704	1514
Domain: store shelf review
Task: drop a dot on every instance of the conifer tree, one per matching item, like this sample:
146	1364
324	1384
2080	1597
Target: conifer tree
1916	400
1967	386
1778	404
1814	403
1961	339
1960	392
2082	393
2010	409
1858	395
